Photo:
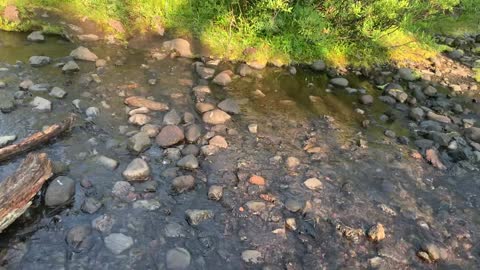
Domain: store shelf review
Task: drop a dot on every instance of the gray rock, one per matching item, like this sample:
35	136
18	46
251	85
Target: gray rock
137	170
387	99
36	36
473	134
39	87
456	54
230	106
438	117
366	99
216	117
149	205
58	92
169	135
107	162
70	66
172	153
6	102
38	61
179	46
424	143
190	149
189	162
41	105
103	223
430	91
92	112
196	216
178	259
396	91
183	183
390	134
78	238
82	53
340	82
294	205
59	191
252	256
215	192
91	205
25	85
139	143
407	74
122	190
319	65
443	139
204	72
6	140
416	114
172	118
151	130
118	242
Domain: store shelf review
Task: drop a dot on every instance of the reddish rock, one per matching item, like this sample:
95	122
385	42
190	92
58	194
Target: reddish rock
257	180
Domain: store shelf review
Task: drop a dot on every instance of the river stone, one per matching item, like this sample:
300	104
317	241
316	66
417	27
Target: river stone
137	170
70	66
223	78
36	36
256	206
204	107
122	190
151	130
340	82
292	163
193	133
407	74
456	54
183	183
417	114
6	102
92	112
178	259
57	92
39	87
366	99
179	46
376	232
473	134
118	242
107	162
294	205
103	223
244	70
172	118
88	37
216	117
313	184
188	118
190	149
38	61
149	205
204	72
438	117
25	84
91	205
318	65
189	162
230	106
6	140
41	105
59	191
430	91
139	119
169	135
82	53
215	192
141	110
196	216
396	93
78	237
252	256
218	141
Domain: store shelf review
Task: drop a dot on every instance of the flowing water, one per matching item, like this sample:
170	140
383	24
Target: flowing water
416	203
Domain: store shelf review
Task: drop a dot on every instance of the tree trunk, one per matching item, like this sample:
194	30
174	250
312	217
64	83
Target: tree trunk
37	138
17	190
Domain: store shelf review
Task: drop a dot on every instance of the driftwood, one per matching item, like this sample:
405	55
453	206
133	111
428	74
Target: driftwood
17	190
37	138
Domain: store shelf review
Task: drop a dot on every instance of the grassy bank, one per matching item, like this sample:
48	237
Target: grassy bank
341	32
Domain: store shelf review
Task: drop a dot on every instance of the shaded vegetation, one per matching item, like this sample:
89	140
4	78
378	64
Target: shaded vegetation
343	32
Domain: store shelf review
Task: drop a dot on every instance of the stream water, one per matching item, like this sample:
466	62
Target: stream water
362	186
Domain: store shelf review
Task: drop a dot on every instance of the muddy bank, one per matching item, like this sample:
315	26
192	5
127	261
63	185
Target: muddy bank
181	164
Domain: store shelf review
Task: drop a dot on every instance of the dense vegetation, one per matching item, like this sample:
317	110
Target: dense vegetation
341	31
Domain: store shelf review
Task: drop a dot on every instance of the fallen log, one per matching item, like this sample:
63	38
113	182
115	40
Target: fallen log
17	190
37	138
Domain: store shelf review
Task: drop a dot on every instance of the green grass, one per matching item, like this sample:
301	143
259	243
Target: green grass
358	34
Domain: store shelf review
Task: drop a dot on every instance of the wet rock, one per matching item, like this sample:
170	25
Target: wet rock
204	107
253	128
141	110
230	106
6	140
313	184
292	163
139	119
118	242
91	205
183	183
171	118
25	84
36	36
430	91
136	101
432	157
57	92
151	130
291	224
70	66
223	78
196	216
473	134
122	190
38	61
294	205
103	223
39	87
137	170
218	141
188	118
60	191
190	149
417	114
366	99
456	54
180	46
189	162
256	206
107	162
82	53
396	91
92	112
178	259
387	99
244	70
257	180
318	65
429	252
193	133
407	74
340	82
169	135
209	150
216	117
376	232
252	256
149	205
215	192
78	238
438	117
6	102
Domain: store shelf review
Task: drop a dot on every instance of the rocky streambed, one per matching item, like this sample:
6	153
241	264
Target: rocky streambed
180	163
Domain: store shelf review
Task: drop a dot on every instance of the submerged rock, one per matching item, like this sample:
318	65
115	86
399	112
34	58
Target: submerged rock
197	216
59	191
183	183
178	259
230	106
252	256
118	242
139	143
340	82
6	102
189	162
137	170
